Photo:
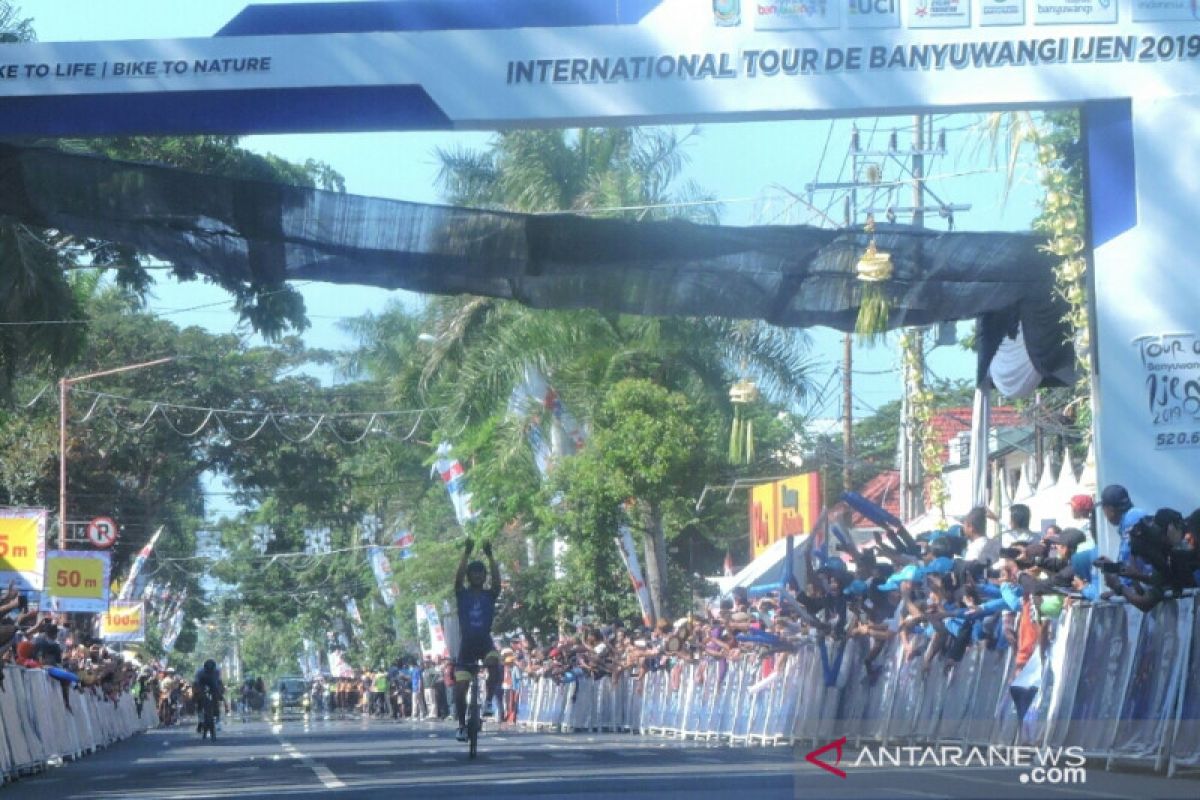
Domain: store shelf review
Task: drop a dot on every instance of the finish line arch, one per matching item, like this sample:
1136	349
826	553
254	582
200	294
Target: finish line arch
1133	66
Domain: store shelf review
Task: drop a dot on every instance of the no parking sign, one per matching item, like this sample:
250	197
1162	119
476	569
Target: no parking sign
102	532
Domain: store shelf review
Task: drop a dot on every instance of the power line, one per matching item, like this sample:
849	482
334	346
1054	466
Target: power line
156	314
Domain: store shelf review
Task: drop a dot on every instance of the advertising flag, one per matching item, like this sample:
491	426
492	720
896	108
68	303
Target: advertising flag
383	573
788	507
453	476
138	563
629	556
433	642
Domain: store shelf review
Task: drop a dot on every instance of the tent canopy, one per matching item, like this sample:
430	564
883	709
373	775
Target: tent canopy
261	233
768	568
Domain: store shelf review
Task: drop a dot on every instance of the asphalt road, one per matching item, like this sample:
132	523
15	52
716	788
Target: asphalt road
385	759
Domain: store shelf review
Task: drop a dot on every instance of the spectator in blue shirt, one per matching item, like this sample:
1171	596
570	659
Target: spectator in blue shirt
1119	510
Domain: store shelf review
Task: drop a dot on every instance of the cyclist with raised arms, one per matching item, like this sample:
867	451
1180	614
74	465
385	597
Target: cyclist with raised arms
476	610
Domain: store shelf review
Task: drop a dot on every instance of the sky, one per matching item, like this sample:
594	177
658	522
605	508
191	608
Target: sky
752	167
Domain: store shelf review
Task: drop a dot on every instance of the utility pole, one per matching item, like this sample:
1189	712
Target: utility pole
878	175
912	483
64	385
847	411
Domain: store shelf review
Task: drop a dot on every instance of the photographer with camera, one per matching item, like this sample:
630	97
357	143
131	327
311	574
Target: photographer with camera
1160	561
1119	510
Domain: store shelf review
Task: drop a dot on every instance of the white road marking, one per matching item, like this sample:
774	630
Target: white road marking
506	758
376	763
323	773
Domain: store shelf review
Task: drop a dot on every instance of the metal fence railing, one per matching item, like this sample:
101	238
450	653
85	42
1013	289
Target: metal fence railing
37	728
1120	684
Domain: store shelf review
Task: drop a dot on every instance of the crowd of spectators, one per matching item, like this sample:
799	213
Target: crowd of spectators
934	594
40	640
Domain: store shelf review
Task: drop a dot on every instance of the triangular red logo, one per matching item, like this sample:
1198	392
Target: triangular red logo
812	757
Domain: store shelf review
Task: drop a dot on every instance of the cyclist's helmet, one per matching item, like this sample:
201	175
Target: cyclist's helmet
477	568
210	665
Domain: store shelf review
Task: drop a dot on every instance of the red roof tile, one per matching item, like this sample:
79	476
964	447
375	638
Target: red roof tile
949	422
882	490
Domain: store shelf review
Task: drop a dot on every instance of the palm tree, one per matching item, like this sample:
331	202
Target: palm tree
482	347
37	303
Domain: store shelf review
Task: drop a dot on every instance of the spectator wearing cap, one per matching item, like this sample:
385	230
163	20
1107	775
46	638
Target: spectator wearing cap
1119	510
1083	513
1066	543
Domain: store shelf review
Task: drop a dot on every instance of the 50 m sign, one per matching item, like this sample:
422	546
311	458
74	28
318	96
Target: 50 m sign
77	580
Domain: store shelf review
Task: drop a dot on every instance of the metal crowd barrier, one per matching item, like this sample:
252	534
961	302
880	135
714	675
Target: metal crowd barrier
1120	684
37	728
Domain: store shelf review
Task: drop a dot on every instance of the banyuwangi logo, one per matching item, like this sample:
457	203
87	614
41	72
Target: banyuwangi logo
727	12
1042	765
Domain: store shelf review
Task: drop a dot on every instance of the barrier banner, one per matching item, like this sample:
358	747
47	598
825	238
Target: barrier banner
22	547
1108	654
78	580
124	622
1071	631
1162	648
1143	703
1185	744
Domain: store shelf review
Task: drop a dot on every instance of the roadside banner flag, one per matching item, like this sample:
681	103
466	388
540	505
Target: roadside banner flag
455	479
624	542
138	563
383	574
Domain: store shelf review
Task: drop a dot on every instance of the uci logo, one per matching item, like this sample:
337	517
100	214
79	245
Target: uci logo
864	7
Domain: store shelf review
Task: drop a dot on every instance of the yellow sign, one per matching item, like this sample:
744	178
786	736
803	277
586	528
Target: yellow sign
22	547
77	581
789	507
123	622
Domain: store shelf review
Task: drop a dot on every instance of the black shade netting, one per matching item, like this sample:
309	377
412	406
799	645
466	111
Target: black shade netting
258	232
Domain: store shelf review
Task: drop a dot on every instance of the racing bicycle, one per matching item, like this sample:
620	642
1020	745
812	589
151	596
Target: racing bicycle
208	714
474	718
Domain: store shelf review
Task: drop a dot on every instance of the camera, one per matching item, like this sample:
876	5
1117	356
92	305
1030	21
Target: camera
1010	552
1111	568
1055	564
23	602
993	574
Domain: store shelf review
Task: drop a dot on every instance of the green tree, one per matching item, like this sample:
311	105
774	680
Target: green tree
644	450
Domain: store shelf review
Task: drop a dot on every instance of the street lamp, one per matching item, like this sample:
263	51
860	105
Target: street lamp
63	384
